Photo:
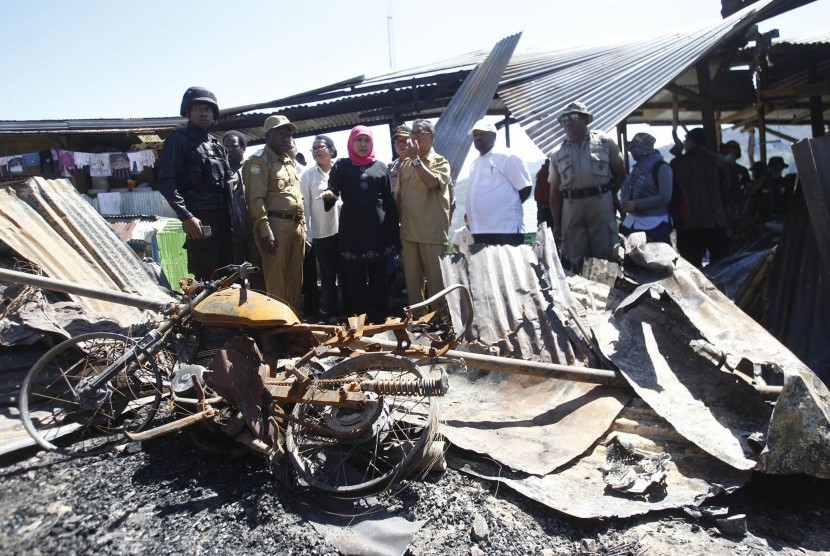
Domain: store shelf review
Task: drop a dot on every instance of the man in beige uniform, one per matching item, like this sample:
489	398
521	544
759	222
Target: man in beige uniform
272	189
585	172
423	187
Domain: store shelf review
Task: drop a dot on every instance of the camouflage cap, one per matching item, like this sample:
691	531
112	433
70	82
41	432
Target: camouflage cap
577	107
641	142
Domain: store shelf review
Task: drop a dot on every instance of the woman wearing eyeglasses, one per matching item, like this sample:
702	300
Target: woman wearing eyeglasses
368	224
323	225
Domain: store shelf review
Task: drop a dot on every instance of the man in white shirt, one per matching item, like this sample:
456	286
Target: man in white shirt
498	185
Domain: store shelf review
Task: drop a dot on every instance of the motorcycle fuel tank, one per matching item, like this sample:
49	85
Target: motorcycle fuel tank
246	308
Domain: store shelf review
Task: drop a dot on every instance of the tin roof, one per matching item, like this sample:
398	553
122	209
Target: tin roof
102	125
47	222
614	80
471	103
650	80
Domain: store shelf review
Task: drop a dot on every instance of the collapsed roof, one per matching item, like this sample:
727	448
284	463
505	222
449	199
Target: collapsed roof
691	392
675	77
47	223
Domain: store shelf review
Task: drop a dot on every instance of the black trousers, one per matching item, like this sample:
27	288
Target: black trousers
311	299
327	250
543	214
367	288
692	244
206	255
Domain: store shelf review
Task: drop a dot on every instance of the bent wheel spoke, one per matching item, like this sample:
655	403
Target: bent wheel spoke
356	451
61	414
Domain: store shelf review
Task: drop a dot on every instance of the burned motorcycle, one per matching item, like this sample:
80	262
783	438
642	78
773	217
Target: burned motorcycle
240	364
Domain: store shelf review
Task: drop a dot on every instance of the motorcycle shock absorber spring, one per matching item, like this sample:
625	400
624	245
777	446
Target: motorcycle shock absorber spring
402	387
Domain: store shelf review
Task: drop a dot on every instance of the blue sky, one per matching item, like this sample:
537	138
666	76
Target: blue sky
110	59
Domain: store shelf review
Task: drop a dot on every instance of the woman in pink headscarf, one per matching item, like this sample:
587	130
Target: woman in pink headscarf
368	224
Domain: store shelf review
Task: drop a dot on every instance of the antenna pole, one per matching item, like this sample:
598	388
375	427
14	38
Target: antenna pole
390	32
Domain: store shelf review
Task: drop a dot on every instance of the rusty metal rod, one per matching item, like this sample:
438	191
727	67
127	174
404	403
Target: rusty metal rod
184	422
514	366
80	289
537	368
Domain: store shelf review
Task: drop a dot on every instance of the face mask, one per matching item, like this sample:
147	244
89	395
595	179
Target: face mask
729	157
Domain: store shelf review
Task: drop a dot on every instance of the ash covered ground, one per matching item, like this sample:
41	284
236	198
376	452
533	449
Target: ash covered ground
168	496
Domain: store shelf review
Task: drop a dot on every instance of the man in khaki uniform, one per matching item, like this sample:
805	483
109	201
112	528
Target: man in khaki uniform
272	189
423	188
585	172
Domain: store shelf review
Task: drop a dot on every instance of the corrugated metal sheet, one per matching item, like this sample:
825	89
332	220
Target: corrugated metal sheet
522	305
464	61
820	37
365	108
146	202
530	424
799	297
124	229
99	125
85	232
579	489
137	230
613	80
59	253
704	404
139	202
470	103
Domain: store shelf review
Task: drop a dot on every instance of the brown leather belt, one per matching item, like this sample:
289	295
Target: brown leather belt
287	215
585	192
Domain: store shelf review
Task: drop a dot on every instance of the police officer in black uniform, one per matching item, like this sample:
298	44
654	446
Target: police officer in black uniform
196	180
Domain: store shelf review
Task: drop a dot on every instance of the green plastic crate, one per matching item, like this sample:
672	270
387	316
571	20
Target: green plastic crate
169	253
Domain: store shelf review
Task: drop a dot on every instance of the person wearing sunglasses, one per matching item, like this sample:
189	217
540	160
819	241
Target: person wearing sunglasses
585	172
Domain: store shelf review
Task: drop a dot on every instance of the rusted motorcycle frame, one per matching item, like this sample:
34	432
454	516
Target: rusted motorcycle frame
350	428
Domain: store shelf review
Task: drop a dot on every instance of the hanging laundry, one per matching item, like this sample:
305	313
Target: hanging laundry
120	165
16	165
119	161
99	165
67	162
82	159
48	164
30	160
140	160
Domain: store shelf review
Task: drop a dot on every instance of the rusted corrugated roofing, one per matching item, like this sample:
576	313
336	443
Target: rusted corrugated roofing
47	222
124	229
57	230
613	80
135	229
521	302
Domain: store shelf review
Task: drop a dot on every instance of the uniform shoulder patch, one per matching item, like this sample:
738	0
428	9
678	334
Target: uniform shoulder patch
255	168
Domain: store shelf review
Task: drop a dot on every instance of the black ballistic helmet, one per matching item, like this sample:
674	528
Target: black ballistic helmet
198	94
